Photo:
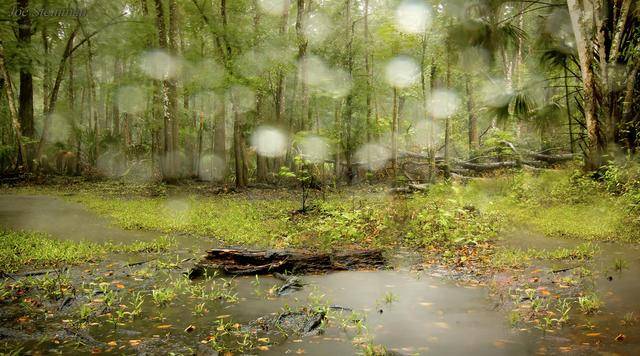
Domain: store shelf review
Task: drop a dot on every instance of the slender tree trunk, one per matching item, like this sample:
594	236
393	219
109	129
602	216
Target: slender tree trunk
115	109
447	122
13	112
238	150
302	58
394	134
369	74
53	97
219	139
25	96
173	119
473	119
280	101
567	104
338	128
348	112
627	112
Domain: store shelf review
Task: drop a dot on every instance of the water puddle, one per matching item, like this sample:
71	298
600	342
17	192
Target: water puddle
62	219
613	275
408	312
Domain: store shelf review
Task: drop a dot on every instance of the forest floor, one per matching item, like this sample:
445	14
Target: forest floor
543	263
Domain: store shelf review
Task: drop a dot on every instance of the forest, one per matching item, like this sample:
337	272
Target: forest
374	177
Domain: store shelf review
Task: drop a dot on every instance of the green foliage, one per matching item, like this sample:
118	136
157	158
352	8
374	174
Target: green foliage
590	303
437	220
19	249
557	203
516	257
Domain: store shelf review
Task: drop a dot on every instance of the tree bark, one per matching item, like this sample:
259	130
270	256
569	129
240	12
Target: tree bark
367	67
8	90
583	28
249	262
473	119
173	119
25	98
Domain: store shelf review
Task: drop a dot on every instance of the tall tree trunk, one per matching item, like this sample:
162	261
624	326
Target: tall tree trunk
348	112
583	28
369	74
394	134
115	109
280	101
567	104
447	122
219	139
338	127
627	112
473	119
302	58
25	96
238	148
261	161
53	97
172	92
13	112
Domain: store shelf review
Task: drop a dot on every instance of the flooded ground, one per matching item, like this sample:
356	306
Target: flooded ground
406	311
613	275
62	219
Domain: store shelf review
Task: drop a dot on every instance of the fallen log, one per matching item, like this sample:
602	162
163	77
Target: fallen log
245	261
551	158
481	167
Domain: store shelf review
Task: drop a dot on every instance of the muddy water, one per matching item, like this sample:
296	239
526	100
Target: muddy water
427	315
405	311
62	219
619	290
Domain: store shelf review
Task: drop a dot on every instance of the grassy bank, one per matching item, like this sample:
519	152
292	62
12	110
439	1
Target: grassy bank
19	250
558	204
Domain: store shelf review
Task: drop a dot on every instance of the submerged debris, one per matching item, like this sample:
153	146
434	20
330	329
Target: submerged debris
291	284
303	322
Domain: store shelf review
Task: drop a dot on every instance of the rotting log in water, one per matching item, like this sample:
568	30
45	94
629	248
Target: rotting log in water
245	261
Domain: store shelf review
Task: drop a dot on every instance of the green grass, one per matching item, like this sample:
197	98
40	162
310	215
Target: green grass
514	257
230	219
340	220
20	250
558	204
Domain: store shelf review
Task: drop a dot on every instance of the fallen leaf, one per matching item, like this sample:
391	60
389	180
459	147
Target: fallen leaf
223	316
189	328
134	342
592	334
112	343
263	339
263	348
164	326
119	285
